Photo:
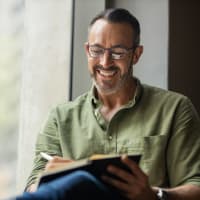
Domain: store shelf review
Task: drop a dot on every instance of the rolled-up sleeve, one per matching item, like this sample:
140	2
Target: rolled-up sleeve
183	154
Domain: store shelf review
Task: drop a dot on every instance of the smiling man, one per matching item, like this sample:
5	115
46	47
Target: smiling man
112	50
111	68
120	115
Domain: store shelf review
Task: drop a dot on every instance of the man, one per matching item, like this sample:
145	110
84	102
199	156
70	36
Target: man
122	116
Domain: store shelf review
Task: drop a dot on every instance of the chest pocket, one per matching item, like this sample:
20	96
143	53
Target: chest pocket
153	150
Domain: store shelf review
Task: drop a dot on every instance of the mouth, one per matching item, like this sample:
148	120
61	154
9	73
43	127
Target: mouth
107	73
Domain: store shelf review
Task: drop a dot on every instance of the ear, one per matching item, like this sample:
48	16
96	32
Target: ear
137	53
86	48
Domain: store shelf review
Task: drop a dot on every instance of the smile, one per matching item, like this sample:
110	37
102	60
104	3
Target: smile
107	73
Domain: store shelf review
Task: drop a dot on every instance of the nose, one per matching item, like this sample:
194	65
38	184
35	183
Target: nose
106	59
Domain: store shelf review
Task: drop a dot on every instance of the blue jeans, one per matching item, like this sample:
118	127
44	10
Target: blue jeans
75	186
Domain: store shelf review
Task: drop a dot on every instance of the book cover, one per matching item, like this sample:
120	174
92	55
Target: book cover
96	165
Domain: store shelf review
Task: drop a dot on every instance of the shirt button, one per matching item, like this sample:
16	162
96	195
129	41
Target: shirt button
110	137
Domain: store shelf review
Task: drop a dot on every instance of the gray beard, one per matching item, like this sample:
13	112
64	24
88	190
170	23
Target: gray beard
123	80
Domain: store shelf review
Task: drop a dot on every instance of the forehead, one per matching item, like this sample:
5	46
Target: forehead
110	34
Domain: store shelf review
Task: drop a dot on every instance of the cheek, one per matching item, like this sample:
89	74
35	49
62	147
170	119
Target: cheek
91	63
128	64
124	67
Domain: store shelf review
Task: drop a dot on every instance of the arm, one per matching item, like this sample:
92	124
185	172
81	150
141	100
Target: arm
183	151
185	192
47	141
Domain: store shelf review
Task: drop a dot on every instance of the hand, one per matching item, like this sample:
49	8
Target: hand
56	163
134	185
32	188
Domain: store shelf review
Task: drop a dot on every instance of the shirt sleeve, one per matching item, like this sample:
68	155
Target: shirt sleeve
183	154
48	142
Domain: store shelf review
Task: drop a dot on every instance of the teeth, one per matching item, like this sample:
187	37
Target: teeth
107	73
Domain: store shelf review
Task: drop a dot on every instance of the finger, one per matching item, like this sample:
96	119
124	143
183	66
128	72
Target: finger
56	162
57	159
32	188
51	166
116	183
135	169
122	174
60	159
124	189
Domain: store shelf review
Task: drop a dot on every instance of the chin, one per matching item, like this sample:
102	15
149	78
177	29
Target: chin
106	90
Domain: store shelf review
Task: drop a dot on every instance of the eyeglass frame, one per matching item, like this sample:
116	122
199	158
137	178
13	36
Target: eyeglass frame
110	51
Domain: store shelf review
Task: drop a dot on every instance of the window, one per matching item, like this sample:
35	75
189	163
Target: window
11	44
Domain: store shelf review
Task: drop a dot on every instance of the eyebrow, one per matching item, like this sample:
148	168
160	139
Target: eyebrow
115	46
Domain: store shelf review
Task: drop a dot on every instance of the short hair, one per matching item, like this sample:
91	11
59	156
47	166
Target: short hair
120	15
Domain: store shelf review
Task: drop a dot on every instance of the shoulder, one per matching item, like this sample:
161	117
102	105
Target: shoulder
165	100
67	108
79	101
159	94
168	105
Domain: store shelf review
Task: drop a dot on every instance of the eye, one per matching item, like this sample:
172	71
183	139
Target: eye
117	56
96	50
118	51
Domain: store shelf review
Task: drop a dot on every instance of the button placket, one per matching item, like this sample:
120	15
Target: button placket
110	137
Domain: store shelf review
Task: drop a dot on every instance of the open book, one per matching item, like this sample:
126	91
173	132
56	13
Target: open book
95	164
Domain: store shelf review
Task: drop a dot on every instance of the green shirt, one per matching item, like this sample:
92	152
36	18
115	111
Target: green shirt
161	125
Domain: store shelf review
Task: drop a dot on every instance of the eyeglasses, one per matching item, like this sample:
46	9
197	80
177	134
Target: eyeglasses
117	53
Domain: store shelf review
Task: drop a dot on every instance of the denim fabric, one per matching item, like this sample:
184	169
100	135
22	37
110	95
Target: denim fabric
76	186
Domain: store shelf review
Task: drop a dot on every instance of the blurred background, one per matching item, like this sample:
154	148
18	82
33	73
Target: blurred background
11	47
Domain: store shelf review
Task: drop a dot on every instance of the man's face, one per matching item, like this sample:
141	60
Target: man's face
110	75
